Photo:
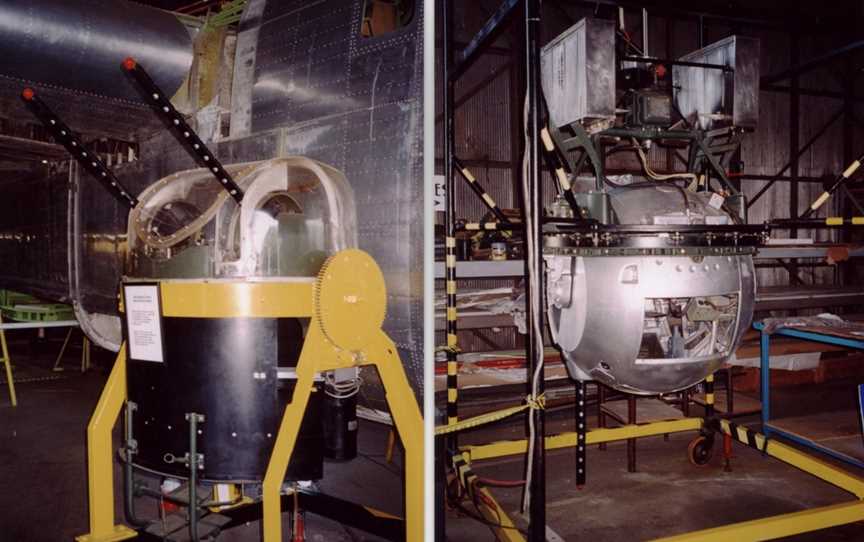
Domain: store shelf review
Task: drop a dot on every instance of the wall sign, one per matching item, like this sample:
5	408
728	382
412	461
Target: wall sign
440	195
143	322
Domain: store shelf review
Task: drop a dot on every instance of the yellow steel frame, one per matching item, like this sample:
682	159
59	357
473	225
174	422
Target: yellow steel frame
758	529
100	466
7	363
320	355
778	526
289	299
596	436
795	522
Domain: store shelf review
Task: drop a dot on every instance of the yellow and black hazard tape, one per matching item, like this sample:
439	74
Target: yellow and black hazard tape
489	226
559	167
490	417
478	189
744	435
452	348
840	221
464	474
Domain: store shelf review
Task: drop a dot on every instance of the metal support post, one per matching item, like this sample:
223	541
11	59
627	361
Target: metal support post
765	377
601	415
128	478
581	432
730	390
450	223
631	442
517	139
534	262
794	131
59	360
195	462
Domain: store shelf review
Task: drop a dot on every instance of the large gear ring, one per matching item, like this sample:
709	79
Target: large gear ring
350	299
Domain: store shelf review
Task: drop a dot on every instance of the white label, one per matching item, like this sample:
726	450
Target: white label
223	492
143	323
716	200
440	194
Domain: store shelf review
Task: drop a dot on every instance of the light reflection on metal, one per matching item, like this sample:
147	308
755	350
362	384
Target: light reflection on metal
367	127
646	322
78	45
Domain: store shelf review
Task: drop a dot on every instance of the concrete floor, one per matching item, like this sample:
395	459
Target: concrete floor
666	496
43	472
43	458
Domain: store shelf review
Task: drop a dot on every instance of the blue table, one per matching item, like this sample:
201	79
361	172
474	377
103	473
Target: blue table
765	380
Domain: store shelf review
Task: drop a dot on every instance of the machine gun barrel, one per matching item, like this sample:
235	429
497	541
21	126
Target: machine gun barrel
64	135
161	104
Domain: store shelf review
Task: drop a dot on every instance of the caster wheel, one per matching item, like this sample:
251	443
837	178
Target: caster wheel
700	450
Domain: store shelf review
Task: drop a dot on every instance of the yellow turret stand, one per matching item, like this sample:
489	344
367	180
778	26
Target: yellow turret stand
346	304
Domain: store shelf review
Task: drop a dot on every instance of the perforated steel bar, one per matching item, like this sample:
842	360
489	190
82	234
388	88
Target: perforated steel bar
163	107
89	160
581	433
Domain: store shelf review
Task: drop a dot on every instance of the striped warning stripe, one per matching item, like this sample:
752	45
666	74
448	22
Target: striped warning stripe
743	434
709	395
478	189
561	170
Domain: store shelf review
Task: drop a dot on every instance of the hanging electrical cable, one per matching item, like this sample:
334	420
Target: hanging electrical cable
657	176
342	389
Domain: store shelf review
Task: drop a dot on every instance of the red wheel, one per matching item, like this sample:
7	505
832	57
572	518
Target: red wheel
700	450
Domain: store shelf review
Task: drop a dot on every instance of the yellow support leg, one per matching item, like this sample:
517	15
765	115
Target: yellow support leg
319	355
409	423
8	363
100	464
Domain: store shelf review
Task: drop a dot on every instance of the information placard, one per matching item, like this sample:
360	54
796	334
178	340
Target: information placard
143	322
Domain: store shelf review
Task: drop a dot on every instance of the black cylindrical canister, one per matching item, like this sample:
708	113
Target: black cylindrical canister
227	369
340	426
